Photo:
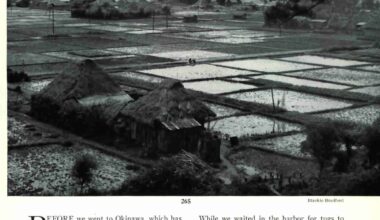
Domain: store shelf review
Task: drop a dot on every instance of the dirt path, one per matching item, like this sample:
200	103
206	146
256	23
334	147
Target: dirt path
229	172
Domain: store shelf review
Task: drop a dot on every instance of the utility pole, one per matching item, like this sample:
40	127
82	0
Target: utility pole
52	14
153	19
274	107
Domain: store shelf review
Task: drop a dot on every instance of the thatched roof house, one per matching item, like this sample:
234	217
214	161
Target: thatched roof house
168	103
80	88
167	119
79	80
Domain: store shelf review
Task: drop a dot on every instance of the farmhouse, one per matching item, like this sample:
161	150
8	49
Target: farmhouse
166	120
82	88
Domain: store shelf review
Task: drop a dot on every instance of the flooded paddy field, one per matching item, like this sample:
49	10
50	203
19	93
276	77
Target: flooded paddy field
46	170
373	90
291	100
252	125
230	36
193	54
112	28
289	145
361	116
216	86
266	65
221	110
254	162
325	61
200	71
72	55
301	82
371	68
353	77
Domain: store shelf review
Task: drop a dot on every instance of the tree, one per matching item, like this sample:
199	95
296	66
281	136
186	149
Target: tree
322	142
284	11
371	138
82	170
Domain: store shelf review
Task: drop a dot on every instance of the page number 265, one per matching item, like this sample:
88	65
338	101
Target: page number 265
185	201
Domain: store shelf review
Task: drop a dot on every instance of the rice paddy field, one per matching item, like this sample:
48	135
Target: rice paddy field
216	86
291	100
47	170
371	68
290	145
351	77
255	162
193	54
361	116
251	125
372	90
301	82
325	61
222	111
230	36
200	71
266	65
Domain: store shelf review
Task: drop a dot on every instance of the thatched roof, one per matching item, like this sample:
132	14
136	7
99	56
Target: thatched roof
79	80
168	103
109	105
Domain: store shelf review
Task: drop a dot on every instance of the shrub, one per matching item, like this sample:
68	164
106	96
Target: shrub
173	176
253	186
360	182
371	140
322	142
14	76
82	170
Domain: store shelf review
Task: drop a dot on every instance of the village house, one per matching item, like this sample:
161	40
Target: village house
82	94
167	120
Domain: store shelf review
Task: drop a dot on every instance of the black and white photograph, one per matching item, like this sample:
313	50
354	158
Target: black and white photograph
193	98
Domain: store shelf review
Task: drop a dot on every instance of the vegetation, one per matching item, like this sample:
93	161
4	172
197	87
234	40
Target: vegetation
371	139
322	142
184	174
254	186
284	11
14	76
105	9
82	170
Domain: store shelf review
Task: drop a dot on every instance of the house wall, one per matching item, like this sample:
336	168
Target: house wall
160	139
